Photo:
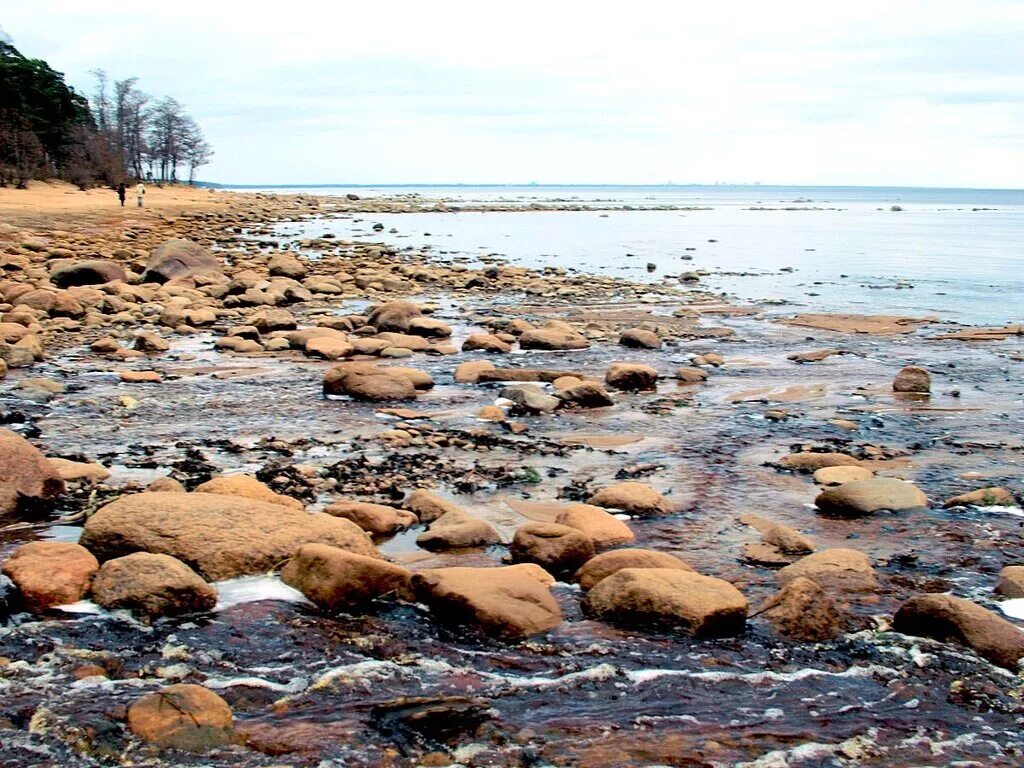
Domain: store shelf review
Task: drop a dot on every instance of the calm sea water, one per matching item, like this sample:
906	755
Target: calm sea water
958	253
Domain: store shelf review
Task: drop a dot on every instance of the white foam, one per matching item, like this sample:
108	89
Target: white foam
250	589
82	606
641	676
1013	608
294	685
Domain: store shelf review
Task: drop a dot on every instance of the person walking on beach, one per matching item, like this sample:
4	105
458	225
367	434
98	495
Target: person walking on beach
140	192
121	193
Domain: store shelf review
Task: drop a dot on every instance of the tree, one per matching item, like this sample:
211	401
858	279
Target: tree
197	149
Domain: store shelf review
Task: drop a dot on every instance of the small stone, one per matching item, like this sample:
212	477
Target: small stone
912	379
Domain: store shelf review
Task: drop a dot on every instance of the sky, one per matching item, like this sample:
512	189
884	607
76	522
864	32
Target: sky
868	93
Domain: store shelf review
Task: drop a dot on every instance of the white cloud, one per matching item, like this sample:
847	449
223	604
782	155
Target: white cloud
923	93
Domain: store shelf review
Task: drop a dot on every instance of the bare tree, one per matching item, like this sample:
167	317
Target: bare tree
197	149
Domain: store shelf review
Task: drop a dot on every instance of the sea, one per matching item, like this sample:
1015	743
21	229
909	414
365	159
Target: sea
954	253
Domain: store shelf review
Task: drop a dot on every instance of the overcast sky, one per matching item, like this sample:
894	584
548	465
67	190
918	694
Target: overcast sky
888	93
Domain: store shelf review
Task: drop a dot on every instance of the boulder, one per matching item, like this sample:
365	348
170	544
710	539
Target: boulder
152	585
375	519
247	487
841	474
334	578
366	381
267	320
602	528
219	536
842	570
185	716
510	601
983	497
586	394
1011	582
329	347
286	265
811	461
76	471
421	380
149	342
469	372
555	548
607	563
393	316
954	619
631	377
638	338
913	379
458	530
178	259
862	497
165	485
428	506
49	573
637	499
26	476
430	327
552	338
68	273
689	374
804	611
787	539
529	398
485	342
697	605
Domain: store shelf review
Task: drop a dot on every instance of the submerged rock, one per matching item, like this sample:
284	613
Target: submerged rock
49	573
913	379
604	565
334	578
153	585
509	601
219	536
862	497
632	498
698	605
947	618
186	717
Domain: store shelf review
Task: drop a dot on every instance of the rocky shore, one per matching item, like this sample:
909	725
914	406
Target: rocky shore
484	515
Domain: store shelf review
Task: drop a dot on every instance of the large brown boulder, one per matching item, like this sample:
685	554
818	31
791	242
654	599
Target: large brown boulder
1011	581
811	461
993	496
366	381
485	342
604	565
552	338
842	570
555	548
394	316
219	536
49	573
458	530
177	259
26	476
698	605
186	717
334	578
153	585
862	497
954	619
68	273
510	601
247	487
376	519
639	338
631	377
428	506
602	528
804	611
637	499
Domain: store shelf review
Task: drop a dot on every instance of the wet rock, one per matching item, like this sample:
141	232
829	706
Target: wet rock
688	374
39	390
803	611
49	573
458	530
841	474
638	338
68	273
697	605
491	413
428	506
286	265
165	485
186	717
267	320
1011	582
140	377
75	471
862	497
811	461
529	398
219	536
393	316
913	379
329	347
430	720
149	342
637	499
27	478
247	487
178	259
601	566
510	601
602	528
485	342
555	548
469	372
814	357
430	327
586	394
787	539
552	339
365	381
334	578
421	380
631	377
954	619
983	497
376	519
844	570
152	585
